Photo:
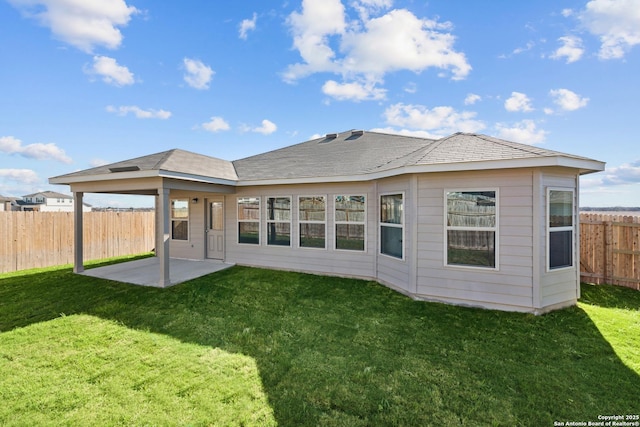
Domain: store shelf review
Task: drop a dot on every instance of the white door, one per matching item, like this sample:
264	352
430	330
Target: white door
215	229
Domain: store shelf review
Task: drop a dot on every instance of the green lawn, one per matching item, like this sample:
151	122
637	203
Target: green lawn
256	347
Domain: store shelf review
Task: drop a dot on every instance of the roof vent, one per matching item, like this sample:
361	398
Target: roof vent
331	136
125	169
357	132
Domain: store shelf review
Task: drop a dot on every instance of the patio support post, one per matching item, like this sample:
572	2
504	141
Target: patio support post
78	247
162	235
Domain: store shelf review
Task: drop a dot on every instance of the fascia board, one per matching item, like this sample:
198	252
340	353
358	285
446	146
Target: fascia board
139	174
103	177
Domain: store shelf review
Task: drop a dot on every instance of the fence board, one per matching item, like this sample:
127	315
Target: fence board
610	249
42	239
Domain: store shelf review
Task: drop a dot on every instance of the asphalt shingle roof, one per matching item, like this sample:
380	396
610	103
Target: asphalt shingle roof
351	153
175	160
348	155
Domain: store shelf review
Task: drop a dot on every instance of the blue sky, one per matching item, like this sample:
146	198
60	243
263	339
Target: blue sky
89	82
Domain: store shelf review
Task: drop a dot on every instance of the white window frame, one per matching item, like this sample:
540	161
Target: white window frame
187	219
363	223
571	228
300	221
387	224
448	228
258	221
269	221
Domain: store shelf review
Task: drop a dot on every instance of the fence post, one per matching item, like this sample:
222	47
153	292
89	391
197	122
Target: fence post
608	251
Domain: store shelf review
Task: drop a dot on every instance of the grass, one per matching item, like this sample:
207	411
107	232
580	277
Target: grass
257	347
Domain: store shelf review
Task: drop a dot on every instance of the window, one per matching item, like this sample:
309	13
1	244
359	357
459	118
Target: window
180	219
279	221
560	236
471	230
350	219
311	217
249	220
392	225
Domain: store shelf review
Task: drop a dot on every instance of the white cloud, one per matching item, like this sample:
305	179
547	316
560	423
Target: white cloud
364	49
472	98
38	151
198	75
408	132
25	176
627	173
436	121
353	91
267	128
615	22
411	87
247	25
524	131
216	124
367	7
566	12
568	100
123	110
518	102
526	48
84	24
110	71
94	163
571	49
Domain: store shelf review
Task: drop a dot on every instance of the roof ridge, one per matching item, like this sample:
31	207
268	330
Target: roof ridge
515	145
165	156
437	143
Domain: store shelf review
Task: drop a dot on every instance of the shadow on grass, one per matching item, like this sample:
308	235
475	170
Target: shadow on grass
336	351
608	296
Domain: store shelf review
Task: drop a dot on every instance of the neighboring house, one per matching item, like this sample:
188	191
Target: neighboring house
467	219
49	201
7	204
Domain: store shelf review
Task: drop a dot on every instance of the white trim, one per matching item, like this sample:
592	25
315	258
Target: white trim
363	223
574	218
258	221
187	220
495	229
402	225
300	222
268	221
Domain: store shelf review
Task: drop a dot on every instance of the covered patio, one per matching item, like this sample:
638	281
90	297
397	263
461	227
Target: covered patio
146	272
166	175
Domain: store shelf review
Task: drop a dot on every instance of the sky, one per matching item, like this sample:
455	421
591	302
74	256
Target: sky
89	82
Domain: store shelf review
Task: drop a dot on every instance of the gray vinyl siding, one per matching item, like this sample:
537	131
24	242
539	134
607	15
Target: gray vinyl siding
393	271
558	287
508	287
194	247
314	260
521	281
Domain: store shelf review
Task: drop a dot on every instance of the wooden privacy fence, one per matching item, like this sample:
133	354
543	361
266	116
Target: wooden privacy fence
610	249
42	239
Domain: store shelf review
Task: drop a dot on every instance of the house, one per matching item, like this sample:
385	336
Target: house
49	201
468	219
7	204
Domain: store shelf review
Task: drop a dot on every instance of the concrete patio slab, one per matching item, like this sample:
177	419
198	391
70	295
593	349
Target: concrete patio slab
146	272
